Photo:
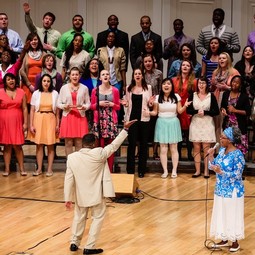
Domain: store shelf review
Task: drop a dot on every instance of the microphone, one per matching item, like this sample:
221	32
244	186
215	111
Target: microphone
214	147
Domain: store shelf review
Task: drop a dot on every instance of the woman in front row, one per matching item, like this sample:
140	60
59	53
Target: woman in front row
138	99
168	130
44	122
105	102
202	130
227	221
74	101
13	122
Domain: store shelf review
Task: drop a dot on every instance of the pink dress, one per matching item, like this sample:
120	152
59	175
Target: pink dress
11	118
73	125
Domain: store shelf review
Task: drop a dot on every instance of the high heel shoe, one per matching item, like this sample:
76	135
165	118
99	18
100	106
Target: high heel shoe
156	156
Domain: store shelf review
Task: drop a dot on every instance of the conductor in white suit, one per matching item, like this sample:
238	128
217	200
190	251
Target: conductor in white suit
87	182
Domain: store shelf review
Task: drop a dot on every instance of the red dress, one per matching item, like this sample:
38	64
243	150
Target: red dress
184	94
11	118
73	125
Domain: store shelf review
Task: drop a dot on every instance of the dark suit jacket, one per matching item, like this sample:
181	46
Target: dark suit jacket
169	53
137	46
121	38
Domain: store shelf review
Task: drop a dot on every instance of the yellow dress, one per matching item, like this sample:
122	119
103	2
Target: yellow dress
45	122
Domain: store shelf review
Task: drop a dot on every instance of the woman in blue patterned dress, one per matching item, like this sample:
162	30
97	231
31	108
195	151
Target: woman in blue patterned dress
227	221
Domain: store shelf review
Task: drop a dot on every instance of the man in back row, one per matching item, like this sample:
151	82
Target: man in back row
173	43
218	29
138	41
49	36
14	38
120	36
67	37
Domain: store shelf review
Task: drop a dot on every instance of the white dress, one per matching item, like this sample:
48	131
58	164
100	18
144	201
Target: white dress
202	128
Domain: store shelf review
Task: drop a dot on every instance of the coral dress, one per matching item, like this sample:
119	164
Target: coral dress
11	118
45	122
73	125
34	67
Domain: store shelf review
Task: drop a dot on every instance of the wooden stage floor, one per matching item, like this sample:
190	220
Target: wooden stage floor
169	219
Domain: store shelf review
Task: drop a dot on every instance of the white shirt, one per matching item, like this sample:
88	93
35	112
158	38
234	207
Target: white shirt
167	109
113	78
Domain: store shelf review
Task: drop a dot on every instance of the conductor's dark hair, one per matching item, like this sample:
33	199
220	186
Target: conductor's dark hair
88	139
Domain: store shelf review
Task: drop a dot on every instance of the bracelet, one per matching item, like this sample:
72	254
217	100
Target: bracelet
126	129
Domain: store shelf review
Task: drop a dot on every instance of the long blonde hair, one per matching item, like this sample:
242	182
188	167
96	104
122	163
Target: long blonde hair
230	67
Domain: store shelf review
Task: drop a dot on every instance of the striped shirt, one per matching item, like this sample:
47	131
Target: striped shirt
210	67
227	34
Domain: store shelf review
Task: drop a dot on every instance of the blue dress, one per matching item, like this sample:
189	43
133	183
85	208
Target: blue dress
232	164
227	221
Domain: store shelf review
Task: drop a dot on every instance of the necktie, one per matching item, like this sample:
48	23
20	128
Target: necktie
217	32
45	36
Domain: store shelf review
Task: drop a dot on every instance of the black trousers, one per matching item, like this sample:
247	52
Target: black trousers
139	131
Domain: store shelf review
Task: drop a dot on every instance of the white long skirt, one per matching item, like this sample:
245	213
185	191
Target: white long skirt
227	221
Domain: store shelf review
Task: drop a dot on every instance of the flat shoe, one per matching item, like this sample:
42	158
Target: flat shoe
164	176
220	244
23	173
173	176
206	176
232	249
196	175
92	251
37	173
73	247
49	174
6	174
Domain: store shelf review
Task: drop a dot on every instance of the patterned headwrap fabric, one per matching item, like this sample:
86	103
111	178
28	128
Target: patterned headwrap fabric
229	133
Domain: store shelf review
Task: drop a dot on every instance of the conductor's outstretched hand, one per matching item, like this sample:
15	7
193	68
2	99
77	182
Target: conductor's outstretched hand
127	124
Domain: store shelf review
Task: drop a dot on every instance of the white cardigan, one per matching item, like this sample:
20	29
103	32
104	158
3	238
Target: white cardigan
65	98
36	99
